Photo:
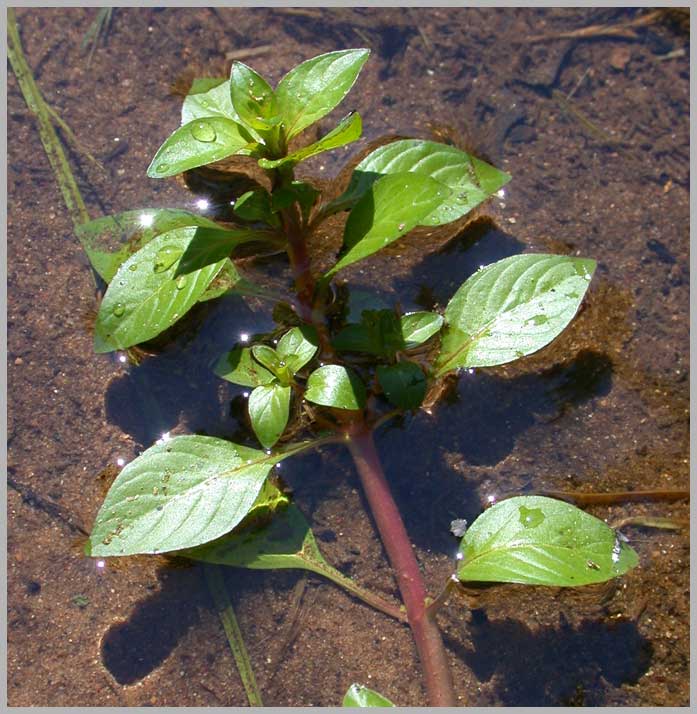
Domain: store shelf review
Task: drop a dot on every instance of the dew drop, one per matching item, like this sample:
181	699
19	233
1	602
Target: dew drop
166	257
161	168
531	517
118	309
401	226
181	282
133	267
203	131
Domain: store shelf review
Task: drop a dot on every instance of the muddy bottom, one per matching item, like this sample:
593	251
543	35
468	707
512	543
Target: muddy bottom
594	130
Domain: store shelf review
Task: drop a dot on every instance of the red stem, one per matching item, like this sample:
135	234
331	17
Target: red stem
429	643
427	637
300	263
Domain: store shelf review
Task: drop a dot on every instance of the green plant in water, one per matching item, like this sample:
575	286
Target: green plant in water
216	501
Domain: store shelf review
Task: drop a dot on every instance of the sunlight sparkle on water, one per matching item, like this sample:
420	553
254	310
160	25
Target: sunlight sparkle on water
203	204
244	337
120	461
163	439
501	193
146	220
491	499
100	564
123	359
245	394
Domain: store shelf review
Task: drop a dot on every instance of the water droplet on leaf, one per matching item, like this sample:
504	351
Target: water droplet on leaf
531	517
203	131
161	168
118	309
181	282
166	257
133	267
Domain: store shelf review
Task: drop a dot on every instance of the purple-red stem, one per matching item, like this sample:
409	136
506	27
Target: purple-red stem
427	637
359	435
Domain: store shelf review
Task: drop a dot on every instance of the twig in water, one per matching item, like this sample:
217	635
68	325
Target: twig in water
624	29
35	102
248	52
607	498
216	585
99	28
71	136
291	626
660	522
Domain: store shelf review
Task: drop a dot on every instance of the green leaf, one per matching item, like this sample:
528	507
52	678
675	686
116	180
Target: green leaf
224	282
239	367
298	346
312	89
256	206
267	356
252	97
391	207
179	494
110	240
285	542
356	338
417	327
404	384
380	333
210	246
512	308
348	130
268	411
360	696
147	295
469	179
301	191
208	97
201	141
541	541
336	386
361	300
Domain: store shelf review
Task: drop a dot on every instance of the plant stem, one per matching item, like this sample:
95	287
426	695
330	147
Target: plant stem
443	596
216	585
356	590
427	637
300	263
36	103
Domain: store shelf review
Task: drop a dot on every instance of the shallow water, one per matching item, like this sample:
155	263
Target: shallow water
605	408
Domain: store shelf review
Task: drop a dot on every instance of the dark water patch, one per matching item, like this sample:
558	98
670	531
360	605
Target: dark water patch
132	649
481	425
572	666
33	587
660	251
178	386
436	277
393	42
